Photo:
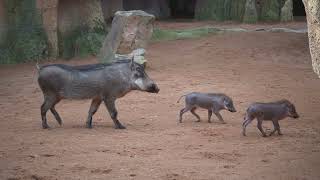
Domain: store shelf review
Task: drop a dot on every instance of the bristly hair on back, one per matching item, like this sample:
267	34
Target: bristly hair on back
216	94
283	101
86	67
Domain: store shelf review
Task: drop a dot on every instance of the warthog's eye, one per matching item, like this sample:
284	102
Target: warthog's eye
139	69
138	74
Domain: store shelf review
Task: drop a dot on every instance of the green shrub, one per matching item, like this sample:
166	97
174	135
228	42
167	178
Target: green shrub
82	42
237	10
26	39
88	44
213	10
220	10
270	11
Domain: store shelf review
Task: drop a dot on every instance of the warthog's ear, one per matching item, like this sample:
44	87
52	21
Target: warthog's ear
132	63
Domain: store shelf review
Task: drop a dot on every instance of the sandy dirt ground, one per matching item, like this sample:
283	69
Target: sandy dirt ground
249	67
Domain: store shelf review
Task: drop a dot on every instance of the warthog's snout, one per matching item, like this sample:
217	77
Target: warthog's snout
232	110
153	88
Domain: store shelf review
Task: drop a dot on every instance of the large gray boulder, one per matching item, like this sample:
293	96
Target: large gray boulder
130	30
313	17
286	11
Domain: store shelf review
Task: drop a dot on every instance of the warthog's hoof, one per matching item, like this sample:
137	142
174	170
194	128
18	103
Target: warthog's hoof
120	127
264	135
60	123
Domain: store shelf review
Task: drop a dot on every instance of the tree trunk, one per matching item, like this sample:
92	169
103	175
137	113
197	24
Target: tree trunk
49	11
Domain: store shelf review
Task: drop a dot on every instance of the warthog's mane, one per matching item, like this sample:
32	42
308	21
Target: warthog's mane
87	67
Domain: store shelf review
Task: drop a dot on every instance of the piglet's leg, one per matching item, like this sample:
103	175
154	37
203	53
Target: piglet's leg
219	117
209	116
195	114
259	125
276	127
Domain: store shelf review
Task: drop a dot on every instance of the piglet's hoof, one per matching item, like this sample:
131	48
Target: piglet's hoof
89	126
45	126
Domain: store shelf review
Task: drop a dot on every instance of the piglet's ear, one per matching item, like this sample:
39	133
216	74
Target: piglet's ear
225	101
288	108
132	63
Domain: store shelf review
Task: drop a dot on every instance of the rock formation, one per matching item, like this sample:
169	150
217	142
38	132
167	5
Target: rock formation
312	8
130	30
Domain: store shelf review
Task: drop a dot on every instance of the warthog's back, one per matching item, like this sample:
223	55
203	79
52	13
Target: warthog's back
269	110
76	82
204	100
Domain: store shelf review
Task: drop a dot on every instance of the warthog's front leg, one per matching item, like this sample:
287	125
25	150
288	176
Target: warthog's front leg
259	125
93	109
110	104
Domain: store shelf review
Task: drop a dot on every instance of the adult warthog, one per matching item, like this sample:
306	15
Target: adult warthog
99	82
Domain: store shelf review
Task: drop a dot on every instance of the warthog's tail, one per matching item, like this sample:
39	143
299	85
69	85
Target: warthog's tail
34	73
37	66
180	98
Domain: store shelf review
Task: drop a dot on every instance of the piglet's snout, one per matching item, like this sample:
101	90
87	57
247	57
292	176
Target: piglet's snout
296	116
153	88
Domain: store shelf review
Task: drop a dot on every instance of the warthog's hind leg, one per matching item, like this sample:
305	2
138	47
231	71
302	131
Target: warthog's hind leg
49	102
